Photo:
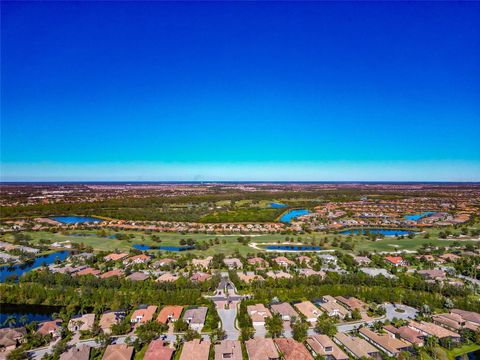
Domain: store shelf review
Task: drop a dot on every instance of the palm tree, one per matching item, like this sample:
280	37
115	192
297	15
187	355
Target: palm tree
10	321
23	319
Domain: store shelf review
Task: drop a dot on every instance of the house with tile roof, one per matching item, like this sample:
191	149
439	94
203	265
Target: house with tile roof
169	313
197	349
158	350
322	345
228	350
292	350
118	352
357	347
261	349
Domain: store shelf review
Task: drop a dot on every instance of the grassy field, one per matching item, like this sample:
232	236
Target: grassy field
228	244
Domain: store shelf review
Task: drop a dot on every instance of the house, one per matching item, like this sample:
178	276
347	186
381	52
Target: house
169	313
330	306
472	319
434	274
279	275
357	347
285	310
115	272
162	262
115	257
110	318
310	272
195	317
82	323
406	333
10	338
197	349
203	263
307	309
143	314
322	345
261	349
351	303
385	342
157	350
328	259
233	263
118	352
395	260
137	259
262	263
88	271
292	350
137	276
452	322
362	260
249	277
168	277
376	272
258	313
81	352
228	350
53	327
439	332
283	261
449	257
200	277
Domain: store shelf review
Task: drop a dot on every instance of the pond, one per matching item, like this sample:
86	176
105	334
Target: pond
293	247
20	269
475	355
293	214
277	205
416	217
76	219
25	314
143	247
385	232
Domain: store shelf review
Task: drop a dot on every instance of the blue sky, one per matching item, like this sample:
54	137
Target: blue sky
240	91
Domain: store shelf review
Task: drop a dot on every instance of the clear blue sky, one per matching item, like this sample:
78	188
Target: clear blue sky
240	91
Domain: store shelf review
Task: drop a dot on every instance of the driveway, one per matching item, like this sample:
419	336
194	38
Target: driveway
260	331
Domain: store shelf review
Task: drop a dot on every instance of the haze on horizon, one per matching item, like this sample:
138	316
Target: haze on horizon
332	91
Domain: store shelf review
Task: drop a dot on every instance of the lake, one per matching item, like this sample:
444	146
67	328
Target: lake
292	214
293	247
385	232
143	247
20	269
277	205
76	219
29	312
418	216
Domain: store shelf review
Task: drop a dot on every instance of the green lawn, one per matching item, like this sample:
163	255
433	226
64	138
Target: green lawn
465	349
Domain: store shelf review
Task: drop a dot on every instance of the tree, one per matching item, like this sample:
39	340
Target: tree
180	326
217	334
326	325
300	331
191	334
356	315
448	303
10	321
149	331
274	325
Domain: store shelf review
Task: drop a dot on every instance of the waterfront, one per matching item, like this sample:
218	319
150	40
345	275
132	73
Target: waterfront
385	232
76	219
20	269
25	314
293	214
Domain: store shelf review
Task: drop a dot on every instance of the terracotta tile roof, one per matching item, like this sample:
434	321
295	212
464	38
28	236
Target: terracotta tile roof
144	314
118	352
322	345
258	312
158	351
115	256
309	310
169	313
114	272
433	330
404	332
81	352
197	349
385	341
356	345
49	327
284	309
292	350
261	349
196	315
228	349
137	276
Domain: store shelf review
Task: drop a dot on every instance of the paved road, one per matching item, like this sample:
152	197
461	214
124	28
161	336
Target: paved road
406	312
228	317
